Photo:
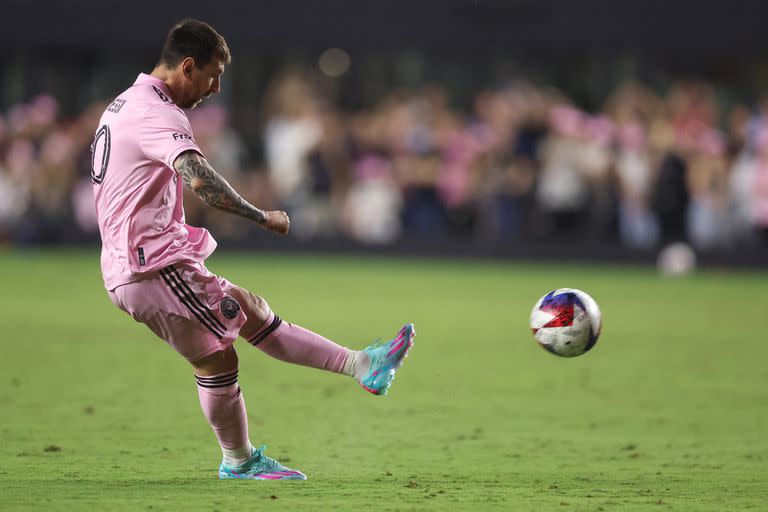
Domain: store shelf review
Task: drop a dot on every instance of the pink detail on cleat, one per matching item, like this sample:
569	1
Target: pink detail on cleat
278	475
269	476
396	348
398	342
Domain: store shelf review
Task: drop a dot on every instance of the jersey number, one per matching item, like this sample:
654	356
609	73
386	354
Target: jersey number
100	149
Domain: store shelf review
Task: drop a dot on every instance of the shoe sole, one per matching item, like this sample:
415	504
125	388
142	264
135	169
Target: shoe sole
278	475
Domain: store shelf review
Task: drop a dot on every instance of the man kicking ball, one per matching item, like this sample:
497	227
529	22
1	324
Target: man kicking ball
153	262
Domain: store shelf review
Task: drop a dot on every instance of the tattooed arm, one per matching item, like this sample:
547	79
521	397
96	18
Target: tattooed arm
209	186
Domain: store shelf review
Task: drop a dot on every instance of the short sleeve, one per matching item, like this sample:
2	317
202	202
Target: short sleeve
165	133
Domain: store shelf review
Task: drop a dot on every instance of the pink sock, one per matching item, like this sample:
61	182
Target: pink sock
297	345
224	407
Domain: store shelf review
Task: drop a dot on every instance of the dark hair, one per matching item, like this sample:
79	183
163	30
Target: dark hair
196	39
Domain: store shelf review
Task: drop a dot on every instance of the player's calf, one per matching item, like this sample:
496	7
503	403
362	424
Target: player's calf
221	400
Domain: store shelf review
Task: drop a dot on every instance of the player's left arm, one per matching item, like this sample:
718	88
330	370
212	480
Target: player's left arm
212	188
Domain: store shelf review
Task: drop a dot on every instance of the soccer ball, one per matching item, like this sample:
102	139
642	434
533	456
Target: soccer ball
566	322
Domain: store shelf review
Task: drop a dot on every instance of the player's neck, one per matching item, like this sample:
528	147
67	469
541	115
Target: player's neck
170	78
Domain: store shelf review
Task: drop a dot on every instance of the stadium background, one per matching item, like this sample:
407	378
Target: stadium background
567	141
488	127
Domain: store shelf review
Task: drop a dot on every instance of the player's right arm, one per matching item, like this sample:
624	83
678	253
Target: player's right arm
215	191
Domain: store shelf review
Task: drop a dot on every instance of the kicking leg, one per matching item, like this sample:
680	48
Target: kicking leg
292	343
374	368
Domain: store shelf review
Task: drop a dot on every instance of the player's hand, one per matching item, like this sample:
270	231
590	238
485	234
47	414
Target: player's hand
277	222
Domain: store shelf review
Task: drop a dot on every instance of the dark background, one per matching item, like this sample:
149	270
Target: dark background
557	39
682	29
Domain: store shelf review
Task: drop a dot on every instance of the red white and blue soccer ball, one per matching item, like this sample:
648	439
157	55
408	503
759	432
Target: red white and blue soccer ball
566	322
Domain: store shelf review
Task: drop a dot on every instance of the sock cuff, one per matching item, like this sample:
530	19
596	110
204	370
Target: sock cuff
237	456
269	327
217	381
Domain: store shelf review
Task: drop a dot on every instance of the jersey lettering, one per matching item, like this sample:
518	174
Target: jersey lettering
116	105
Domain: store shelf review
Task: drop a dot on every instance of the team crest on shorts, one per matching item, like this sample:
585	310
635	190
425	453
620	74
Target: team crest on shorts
229	307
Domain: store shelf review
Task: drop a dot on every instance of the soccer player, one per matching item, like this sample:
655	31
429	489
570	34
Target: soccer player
153	262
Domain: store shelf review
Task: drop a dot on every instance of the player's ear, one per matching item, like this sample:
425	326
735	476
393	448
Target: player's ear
187	65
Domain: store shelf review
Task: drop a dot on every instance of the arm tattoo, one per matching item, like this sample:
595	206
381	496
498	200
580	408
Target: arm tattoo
199	176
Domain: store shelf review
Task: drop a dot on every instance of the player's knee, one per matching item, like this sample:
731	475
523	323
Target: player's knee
223	361
256	309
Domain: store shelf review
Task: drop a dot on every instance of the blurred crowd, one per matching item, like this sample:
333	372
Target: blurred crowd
522	162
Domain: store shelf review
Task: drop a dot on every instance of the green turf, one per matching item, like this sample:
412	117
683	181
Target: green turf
668	412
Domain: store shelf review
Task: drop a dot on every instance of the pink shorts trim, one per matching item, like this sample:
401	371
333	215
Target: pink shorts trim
185	305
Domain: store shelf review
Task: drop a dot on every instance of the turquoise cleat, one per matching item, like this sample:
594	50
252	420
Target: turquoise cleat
261	467
386	359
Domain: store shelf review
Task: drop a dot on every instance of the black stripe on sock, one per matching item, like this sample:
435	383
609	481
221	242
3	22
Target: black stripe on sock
218	385
212	380
210	315
218	381
179	293
266	332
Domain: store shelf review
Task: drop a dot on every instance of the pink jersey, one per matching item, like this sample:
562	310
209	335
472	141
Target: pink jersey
138	193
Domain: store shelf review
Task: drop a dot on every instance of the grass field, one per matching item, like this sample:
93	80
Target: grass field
668	412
